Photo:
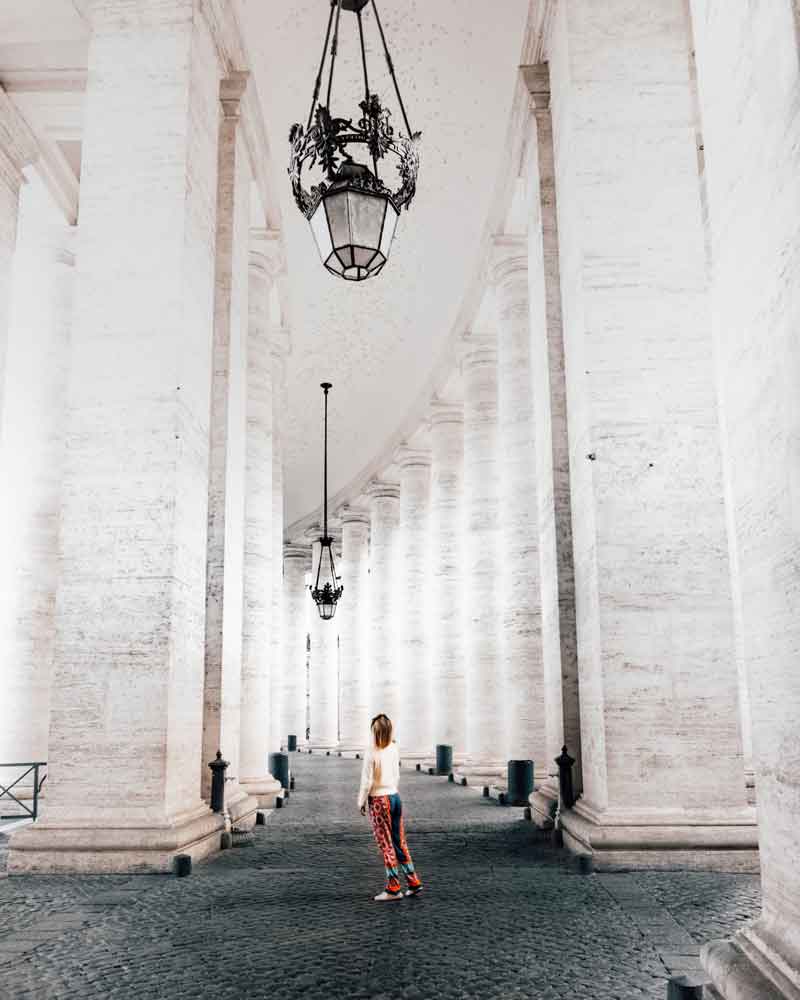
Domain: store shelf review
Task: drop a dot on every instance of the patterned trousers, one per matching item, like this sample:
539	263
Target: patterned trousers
386	813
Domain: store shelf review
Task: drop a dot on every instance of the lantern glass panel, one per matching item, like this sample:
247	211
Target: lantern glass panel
389	227
336	207
322	235
366	218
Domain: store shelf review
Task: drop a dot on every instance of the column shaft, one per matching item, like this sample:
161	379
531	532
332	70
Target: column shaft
415	734
448	677
653	598
127	695
31	459
324	675
281	710
352	619
520	589
259	556
296	608
383	661
748	59
228	437
486	729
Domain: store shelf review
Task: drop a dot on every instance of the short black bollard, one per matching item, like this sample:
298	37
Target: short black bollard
686	987
485	791
565	790
218	768
279	802
520	782
225	841
291	782
278	765
291	743
585	864
261	818
444	758
182	865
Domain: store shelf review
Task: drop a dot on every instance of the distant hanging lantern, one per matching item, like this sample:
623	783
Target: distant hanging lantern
326	589
352	211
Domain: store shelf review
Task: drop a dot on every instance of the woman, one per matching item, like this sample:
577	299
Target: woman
379	779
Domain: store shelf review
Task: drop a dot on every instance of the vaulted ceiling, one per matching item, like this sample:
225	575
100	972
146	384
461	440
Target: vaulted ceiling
380	340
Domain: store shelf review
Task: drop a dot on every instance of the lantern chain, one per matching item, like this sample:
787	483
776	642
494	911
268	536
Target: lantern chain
366	85
390	64
334	51
318	82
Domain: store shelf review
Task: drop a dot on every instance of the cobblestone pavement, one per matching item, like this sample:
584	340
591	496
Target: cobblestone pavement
503	915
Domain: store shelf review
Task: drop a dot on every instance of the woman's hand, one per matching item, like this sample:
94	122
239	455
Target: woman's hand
363	810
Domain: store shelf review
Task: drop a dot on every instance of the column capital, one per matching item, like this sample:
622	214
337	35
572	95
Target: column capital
537	80
378	489
296	550
231	92
411	458
353	515
508	258
440	412
18	145
478	349
267	253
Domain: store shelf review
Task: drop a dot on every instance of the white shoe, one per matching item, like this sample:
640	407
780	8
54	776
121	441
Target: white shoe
384	896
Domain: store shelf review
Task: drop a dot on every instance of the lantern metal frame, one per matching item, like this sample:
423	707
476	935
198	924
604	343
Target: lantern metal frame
327	596
325	139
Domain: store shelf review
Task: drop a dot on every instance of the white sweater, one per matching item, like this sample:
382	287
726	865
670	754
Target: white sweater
380	774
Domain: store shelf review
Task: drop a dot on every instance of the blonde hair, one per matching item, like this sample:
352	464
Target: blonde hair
382	730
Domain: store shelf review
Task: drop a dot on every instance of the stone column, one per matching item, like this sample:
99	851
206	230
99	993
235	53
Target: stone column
280	351
659	696
324	674
448	677
479	598
297	604
17	149
258	666
352	618
31	460
520	588
559	639
384	504
748	60
123	789
227	464
416	735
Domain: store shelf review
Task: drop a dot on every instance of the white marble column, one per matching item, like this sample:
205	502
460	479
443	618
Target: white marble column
662	750
352	618
479	595
415	723
123	788
17	149
227	464
324	674
31	460
384	667
520	588
446	568
297	606
748	72
280	342
258	666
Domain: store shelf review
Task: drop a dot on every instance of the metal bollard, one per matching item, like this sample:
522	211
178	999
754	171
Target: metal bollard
565	791
182	865
444	758
686	987
520	782
291	743
279	768
218	768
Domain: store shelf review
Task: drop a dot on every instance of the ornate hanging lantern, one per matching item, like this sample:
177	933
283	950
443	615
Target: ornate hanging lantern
327	589
352	211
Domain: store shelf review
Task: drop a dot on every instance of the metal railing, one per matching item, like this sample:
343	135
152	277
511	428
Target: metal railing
27	767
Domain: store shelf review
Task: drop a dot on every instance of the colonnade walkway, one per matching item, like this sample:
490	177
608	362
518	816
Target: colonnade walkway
504	914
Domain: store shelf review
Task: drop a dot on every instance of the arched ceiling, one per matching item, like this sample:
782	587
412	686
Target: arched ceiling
378	341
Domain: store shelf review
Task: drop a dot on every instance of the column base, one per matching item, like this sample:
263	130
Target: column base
698	840
263	790
544	805
754	965
59	848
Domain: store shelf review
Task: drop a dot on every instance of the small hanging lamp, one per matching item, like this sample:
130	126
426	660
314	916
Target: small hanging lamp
327	589
352	211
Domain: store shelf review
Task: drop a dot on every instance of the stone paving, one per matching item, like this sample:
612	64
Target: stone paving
504	914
